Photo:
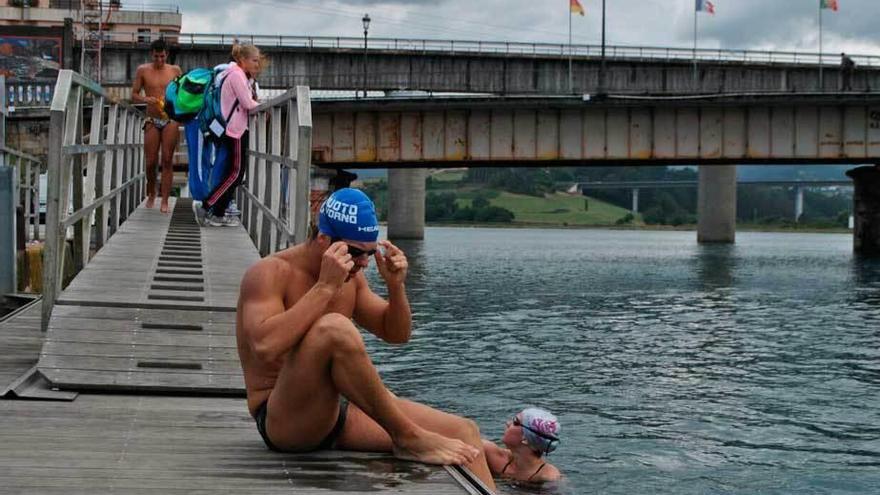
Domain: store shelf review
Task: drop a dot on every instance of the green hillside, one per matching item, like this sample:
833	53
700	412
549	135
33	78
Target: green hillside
556	209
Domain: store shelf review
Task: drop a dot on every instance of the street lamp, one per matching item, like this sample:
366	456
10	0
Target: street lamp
366	21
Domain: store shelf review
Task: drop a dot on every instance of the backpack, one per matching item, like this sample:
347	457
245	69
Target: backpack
212	122
185	95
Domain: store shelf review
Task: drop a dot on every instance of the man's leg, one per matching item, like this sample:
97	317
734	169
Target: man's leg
364	434
331	360
151	151
170	135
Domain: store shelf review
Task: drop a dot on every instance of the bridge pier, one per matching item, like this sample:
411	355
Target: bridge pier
866	209
406	203
716	204
798	204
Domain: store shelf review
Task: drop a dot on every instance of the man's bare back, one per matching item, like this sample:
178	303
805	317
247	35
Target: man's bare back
284	274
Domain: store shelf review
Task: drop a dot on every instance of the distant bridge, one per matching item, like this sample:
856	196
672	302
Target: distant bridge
500	67
636	186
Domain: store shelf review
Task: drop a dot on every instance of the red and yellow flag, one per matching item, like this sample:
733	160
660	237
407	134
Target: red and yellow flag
576	7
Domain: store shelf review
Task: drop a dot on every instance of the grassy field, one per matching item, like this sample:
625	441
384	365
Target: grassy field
554	209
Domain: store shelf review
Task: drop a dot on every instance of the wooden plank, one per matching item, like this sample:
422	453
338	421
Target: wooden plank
131	444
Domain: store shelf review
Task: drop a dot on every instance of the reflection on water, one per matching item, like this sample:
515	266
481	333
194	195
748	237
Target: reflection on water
674	368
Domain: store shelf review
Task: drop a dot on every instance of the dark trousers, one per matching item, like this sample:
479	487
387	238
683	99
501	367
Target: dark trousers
219	198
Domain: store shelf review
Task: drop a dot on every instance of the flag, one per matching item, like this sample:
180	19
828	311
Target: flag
828	4
577	8
707	6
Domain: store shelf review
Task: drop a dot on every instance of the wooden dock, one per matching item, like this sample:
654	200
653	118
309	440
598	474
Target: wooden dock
140	353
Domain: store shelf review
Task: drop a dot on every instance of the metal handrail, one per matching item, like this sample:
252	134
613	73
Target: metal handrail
652	53
275	199
111	150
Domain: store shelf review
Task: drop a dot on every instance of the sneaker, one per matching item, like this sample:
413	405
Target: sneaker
224	221
199	212
233	210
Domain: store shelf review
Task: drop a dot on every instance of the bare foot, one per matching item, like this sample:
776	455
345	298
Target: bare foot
431	448
150	201
164	208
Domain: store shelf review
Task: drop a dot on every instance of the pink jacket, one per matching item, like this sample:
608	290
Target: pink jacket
236	87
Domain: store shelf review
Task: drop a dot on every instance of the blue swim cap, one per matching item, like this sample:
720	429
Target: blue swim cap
349	214
540	429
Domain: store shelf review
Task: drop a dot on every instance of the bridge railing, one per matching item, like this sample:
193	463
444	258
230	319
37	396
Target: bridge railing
29	93
95	175
652	53
275	196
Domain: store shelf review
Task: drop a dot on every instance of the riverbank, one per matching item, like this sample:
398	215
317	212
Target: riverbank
642	227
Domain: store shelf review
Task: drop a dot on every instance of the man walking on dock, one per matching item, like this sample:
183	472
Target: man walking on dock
304	359
159	130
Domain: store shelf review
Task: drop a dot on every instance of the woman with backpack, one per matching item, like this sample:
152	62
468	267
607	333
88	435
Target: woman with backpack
236	102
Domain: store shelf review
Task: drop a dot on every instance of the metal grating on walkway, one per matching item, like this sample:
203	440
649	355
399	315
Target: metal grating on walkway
153	311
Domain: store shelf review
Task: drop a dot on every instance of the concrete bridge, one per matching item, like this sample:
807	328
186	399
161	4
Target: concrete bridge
503	67
636	186
716	132
408	135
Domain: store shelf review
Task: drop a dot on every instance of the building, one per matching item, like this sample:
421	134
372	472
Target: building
118	21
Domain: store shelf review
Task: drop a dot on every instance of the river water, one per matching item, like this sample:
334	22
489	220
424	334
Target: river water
673	367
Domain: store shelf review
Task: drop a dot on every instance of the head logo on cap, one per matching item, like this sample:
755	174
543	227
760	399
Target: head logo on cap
540	429
349	214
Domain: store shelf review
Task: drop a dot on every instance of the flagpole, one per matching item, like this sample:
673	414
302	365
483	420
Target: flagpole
695	48
602	67
821	80
570	88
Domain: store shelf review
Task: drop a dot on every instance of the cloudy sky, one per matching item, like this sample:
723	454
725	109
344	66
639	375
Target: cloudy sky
737	24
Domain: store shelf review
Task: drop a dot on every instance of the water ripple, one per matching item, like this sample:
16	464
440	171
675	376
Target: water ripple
674	368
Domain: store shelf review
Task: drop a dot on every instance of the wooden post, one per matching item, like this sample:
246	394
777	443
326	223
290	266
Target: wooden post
303	163
103	214
260	178
274	179
292	148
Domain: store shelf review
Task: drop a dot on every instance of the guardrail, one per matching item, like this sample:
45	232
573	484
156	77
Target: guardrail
651	53
96	175
275	199
30	93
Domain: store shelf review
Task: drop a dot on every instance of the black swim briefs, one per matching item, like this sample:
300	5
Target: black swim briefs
329	441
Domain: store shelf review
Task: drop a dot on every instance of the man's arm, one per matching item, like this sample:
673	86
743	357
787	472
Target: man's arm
389	320
137	86
272	330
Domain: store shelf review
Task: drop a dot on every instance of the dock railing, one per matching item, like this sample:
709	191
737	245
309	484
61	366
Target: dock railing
19	195
275	196
95	175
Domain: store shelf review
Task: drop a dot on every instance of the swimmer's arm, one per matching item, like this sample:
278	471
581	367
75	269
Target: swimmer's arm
496	457
389	320
272	330
137	86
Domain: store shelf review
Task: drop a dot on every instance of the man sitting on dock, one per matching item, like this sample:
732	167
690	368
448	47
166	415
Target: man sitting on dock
304	359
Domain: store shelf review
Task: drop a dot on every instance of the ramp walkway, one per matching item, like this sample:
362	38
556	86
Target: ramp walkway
154	310
131	370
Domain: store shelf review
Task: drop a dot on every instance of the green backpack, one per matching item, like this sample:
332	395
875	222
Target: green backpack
185	95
